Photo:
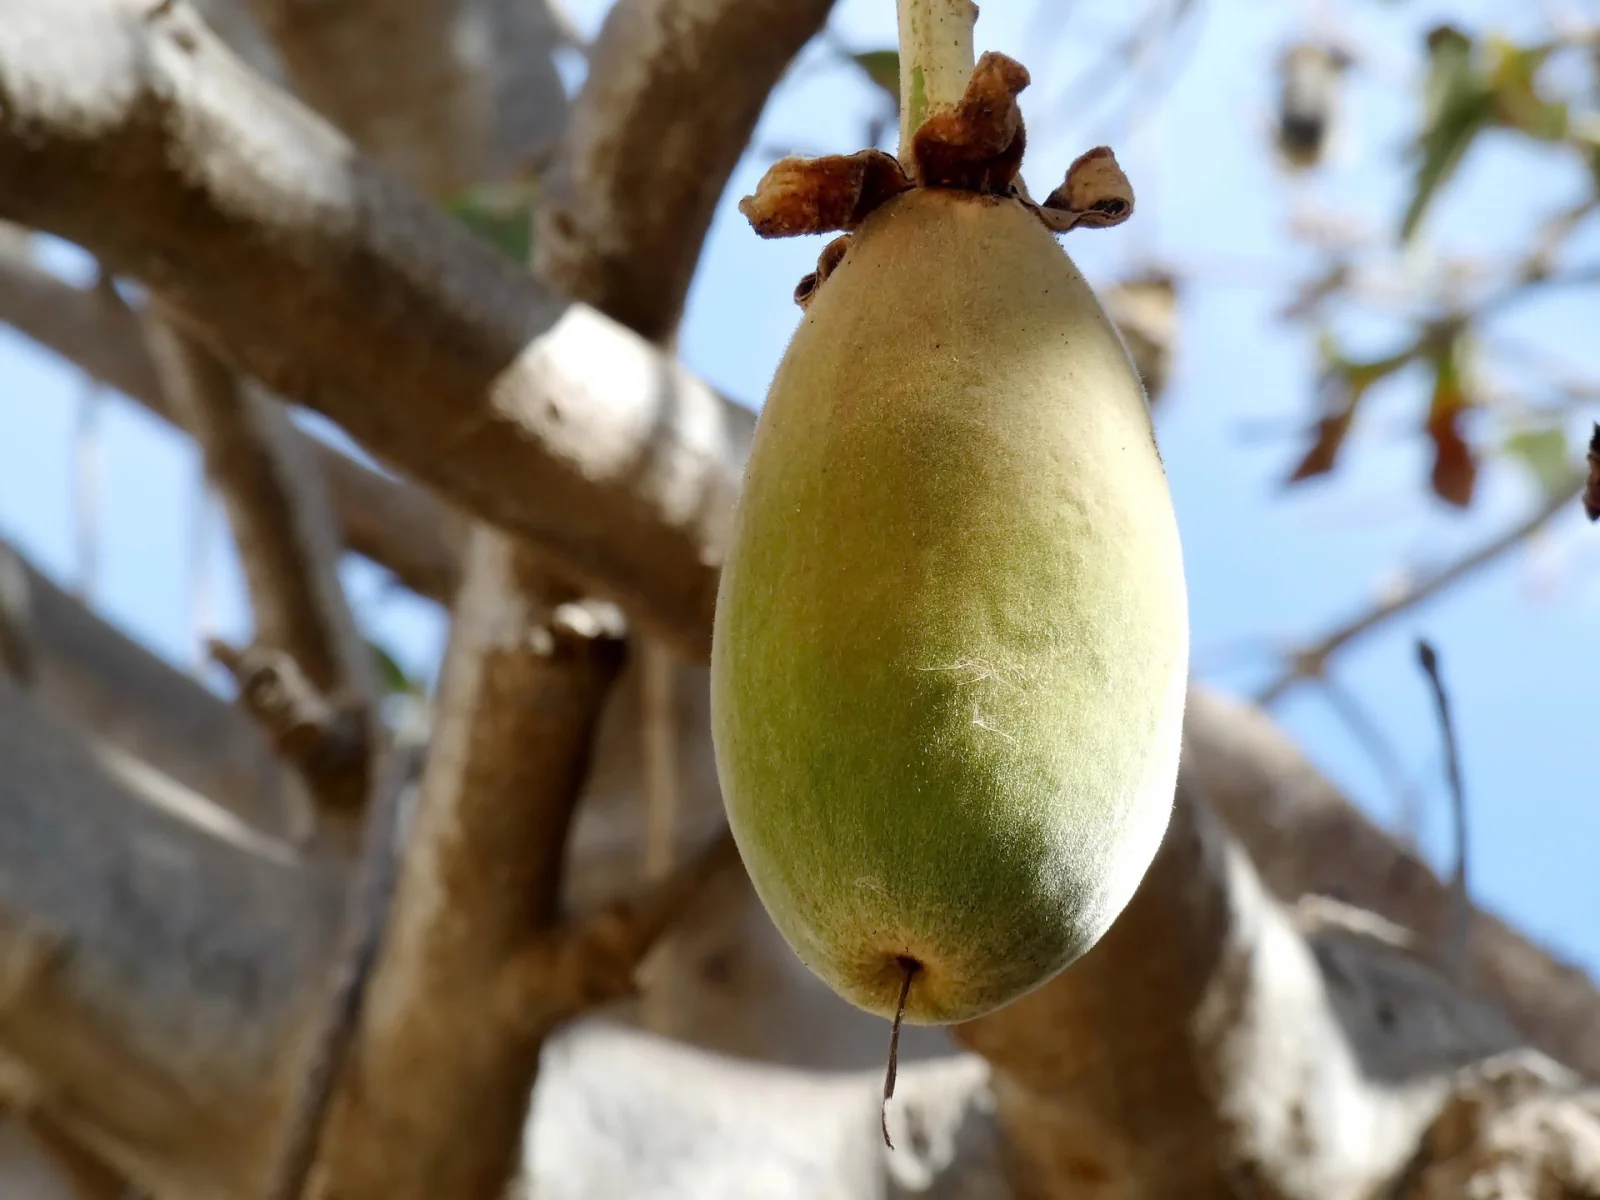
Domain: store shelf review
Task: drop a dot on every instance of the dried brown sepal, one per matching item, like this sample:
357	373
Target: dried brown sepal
821	195
1591	493
832	255
976	146
1095	194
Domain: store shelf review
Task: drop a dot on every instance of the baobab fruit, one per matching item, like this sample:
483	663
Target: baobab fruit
950	651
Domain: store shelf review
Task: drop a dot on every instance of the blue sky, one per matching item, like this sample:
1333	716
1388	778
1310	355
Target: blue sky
1519	642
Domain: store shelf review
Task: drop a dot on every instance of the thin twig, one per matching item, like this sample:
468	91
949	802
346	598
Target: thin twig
1377	745
659	735
657	693
328	738
286	535
1457	945
1312	661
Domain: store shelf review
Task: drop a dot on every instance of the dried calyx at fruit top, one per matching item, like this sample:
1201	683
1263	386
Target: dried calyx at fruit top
974	147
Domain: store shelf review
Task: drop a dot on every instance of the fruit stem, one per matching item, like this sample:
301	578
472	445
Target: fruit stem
935	60
910	966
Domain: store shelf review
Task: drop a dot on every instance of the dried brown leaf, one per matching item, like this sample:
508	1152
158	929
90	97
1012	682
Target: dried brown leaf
1455	470
1325	446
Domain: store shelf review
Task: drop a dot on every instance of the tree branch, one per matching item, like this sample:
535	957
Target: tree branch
446	93
437	1095
399	526
156	956
290	554
672	96
592	959
88	1177
1310	662
1209	1047
614	539
86	671
147	142
1306	839
674	90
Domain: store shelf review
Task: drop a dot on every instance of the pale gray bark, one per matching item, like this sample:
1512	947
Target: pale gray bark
438	1084
85	671
155	955
1217	1013
400	527
444	92
673	94
147	142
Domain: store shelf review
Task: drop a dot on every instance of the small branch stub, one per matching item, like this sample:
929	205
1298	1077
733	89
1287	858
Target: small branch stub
327	737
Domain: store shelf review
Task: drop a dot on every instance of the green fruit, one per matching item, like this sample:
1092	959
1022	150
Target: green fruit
951	642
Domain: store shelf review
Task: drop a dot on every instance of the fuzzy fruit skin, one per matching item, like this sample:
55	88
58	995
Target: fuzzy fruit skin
951	645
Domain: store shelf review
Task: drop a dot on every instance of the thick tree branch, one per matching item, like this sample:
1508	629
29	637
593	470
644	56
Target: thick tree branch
289	550
437	1094
1305	838
445	92
87	672
126	901
399	526
147	142
674	90
179	267
1208	1047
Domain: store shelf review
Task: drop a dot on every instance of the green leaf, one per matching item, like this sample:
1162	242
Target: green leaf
1546	455
500	214
883	68
1460	105
391	675
1519	104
